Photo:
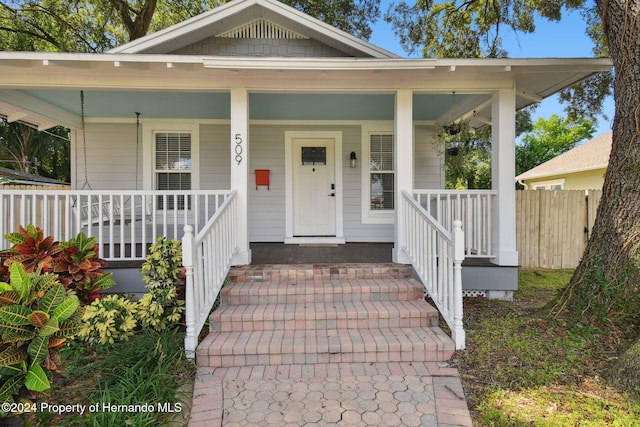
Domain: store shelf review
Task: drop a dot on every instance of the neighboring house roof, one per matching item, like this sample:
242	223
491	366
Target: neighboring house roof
17	177
237	14
593	154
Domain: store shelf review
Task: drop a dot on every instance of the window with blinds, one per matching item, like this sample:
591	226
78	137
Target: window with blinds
173	168
381	172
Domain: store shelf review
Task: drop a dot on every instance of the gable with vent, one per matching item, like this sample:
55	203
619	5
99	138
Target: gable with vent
254	28
261	37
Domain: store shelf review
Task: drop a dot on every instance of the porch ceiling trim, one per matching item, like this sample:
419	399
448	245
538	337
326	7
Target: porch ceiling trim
18	106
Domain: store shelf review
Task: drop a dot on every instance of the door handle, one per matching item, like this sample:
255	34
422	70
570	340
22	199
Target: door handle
332	194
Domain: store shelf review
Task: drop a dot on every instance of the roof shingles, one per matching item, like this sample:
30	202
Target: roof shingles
593	154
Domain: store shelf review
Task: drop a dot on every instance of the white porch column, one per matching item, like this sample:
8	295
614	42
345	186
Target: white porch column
403	167
240	169
503	170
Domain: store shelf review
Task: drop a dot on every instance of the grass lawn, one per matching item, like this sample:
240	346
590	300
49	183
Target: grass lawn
523	368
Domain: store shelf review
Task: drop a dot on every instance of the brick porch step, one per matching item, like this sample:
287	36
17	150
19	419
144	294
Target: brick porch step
286	272
272	315
323	316
321	291
324	346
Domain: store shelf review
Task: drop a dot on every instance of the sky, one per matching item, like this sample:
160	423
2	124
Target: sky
566	39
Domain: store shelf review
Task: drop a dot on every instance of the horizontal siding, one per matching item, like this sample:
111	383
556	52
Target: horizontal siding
267	206
111	150
354	229
215	155
111	157
429	171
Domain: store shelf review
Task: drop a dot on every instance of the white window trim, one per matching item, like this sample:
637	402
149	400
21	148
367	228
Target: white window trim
547	184
149	129
371	216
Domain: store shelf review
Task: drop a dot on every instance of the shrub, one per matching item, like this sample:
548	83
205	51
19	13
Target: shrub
30	248
162	273
108	319
163	266
160	309
37	316
79	267
76	261
116	317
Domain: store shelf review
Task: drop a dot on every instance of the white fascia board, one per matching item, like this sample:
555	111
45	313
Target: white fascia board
83	60
531	64
518	66
329	64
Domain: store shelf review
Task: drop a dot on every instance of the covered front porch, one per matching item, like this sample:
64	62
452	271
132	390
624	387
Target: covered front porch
347	139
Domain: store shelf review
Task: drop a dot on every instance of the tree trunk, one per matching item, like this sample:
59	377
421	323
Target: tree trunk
605	289
625	372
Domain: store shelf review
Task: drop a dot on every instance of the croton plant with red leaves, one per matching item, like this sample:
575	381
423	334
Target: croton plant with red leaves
76	261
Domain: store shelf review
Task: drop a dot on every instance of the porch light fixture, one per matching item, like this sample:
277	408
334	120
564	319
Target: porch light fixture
353	158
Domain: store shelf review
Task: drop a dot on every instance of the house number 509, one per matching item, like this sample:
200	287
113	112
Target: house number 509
238	148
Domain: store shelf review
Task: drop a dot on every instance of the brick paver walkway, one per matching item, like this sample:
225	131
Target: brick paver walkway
345	394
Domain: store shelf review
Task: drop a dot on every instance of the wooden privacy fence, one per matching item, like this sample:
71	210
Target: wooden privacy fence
552	227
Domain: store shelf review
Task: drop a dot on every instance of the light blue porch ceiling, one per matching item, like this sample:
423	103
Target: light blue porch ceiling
157	105
278	106
262	106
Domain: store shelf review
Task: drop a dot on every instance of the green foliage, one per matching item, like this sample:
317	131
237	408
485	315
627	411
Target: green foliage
625	371
603	303
76	262
30	248
462	29
521	368
40	153
550	138
557	407
467	155
114	317
99	25
163	275
109	319
150	367
160	308
37	316
477	29
163	265
79	267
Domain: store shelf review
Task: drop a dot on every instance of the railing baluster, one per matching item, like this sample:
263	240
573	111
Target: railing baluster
442	254
474	207
204	280
119	220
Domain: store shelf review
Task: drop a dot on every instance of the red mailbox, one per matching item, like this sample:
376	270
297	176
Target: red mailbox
262	177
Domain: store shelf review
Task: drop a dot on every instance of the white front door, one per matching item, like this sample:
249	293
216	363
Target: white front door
314	187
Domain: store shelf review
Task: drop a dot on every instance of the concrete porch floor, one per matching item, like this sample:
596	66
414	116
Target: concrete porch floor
280	253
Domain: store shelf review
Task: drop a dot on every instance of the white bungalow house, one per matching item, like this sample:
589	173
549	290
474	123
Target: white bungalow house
284	128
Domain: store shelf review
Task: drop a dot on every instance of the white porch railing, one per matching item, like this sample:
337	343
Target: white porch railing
436	255
124	222
207	258
473	207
